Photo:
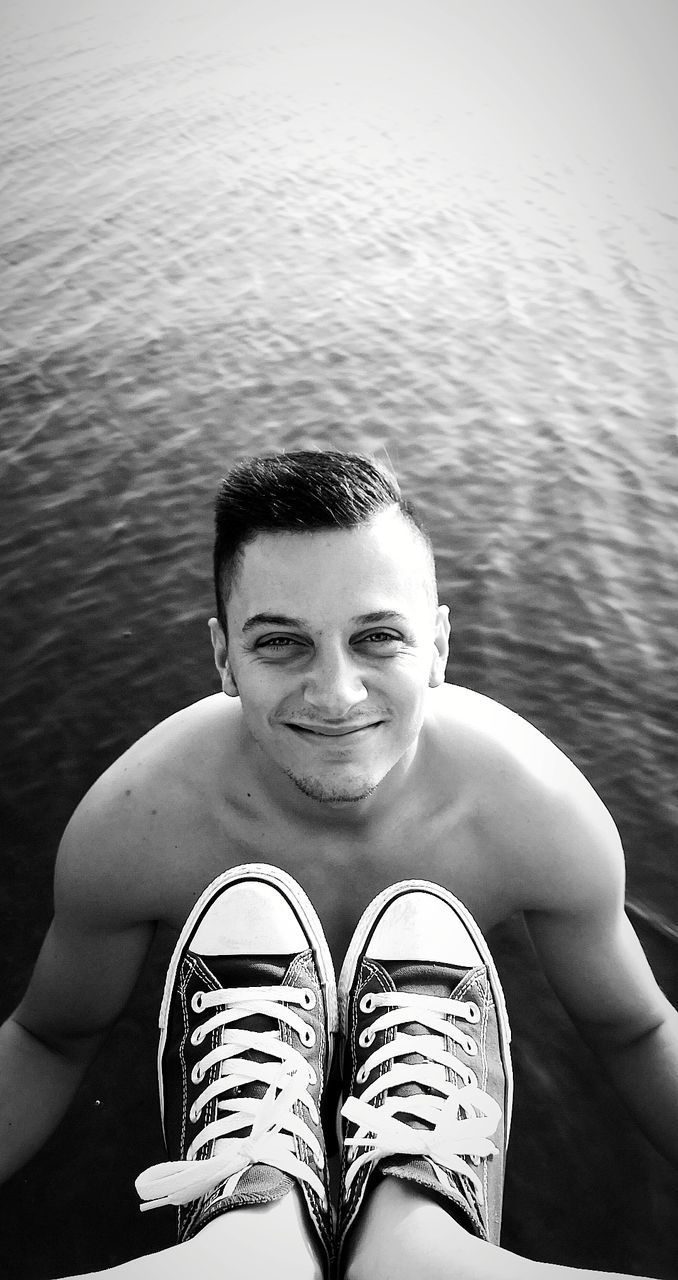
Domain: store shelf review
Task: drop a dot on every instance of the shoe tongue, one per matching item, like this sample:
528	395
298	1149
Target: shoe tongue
249	971
424	979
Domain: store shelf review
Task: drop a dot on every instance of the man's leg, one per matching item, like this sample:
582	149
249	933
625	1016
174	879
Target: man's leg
256	1243
427	1080
403	1233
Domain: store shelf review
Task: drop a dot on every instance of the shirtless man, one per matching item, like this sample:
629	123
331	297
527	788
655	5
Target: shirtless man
340	756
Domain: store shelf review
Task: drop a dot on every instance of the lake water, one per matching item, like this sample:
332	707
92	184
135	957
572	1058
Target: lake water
447	234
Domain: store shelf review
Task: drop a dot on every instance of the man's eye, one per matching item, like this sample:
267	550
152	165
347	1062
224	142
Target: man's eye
380	637
280	647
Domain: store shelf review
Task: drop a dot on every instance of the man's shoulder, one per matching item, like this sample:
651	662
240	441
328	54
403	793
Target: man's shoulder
167	760
143	807
490	733
533	809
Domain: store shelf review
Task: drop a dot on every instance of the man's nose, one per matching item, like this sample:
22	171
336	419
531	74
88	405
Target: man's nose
334	684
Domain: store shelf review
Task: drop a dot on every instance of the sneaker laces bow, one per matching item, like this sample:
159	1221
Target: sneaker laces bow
271	1119
455	1121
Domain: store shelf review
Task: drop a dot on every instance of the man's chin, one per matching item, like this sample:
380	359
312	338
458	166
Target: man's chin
328	793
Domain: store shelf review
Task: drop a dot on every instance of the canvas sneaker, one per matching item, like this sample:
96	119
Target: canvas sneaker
247	1026
427	1077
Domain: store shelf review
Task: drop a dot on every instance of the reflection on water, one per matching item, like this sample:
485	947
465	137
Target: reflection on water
445	233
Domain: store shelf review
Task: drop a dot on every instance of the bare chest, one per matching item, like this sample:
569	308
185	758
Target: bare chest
341	871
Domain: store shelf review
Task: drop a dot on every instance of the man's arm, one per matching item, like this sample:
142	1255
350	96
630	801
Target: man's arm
596	965
84	974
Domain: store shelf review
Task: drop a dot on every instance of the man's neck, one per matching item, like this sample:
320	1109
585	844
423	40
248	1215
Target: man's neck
284	797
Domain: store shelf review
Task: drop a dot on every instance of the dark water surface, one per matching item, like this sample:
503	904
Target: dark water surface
443	232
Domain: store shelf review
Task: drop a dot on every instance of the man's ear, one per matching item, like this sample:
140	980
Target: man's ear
441	647
223	666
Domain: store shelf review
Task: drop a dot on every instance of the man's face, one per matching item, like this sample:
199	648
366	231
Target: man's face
333	640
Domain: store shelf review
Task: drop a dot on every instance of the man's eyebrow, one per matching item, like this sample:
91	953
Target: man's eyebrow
382	615
272	620
284	620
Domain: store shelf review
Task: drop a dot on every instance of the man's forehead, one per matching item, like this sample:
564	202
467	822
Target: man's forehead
375	569
381	547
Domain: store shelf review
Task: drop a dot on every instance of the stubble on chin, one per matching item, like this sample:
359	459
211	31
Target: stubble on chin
317	790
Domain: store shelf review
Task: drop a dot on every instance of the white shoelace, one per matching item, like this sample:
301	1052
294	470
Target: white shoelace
461	1116
271	1119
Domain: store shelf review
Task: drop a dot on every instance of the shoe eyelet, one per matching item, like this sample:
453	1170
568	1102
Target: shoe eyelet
307	1037
197	1036
197	1002
471	1078
309	1000
312	1078
366	1038
367	1004
194	1114
472	1012
471	1047
196	1074
361	1076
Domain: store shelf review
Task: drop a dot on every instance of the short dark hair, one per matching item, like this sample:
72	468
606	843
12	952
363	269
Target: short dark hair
296	492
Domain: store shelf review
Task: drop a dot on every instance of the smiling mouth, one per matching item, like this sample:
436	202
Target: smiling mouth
331	731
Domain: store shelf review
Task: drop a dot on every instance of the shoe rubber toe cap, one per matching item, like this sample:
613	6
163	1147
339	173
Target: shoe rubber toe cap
418	925
251	918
